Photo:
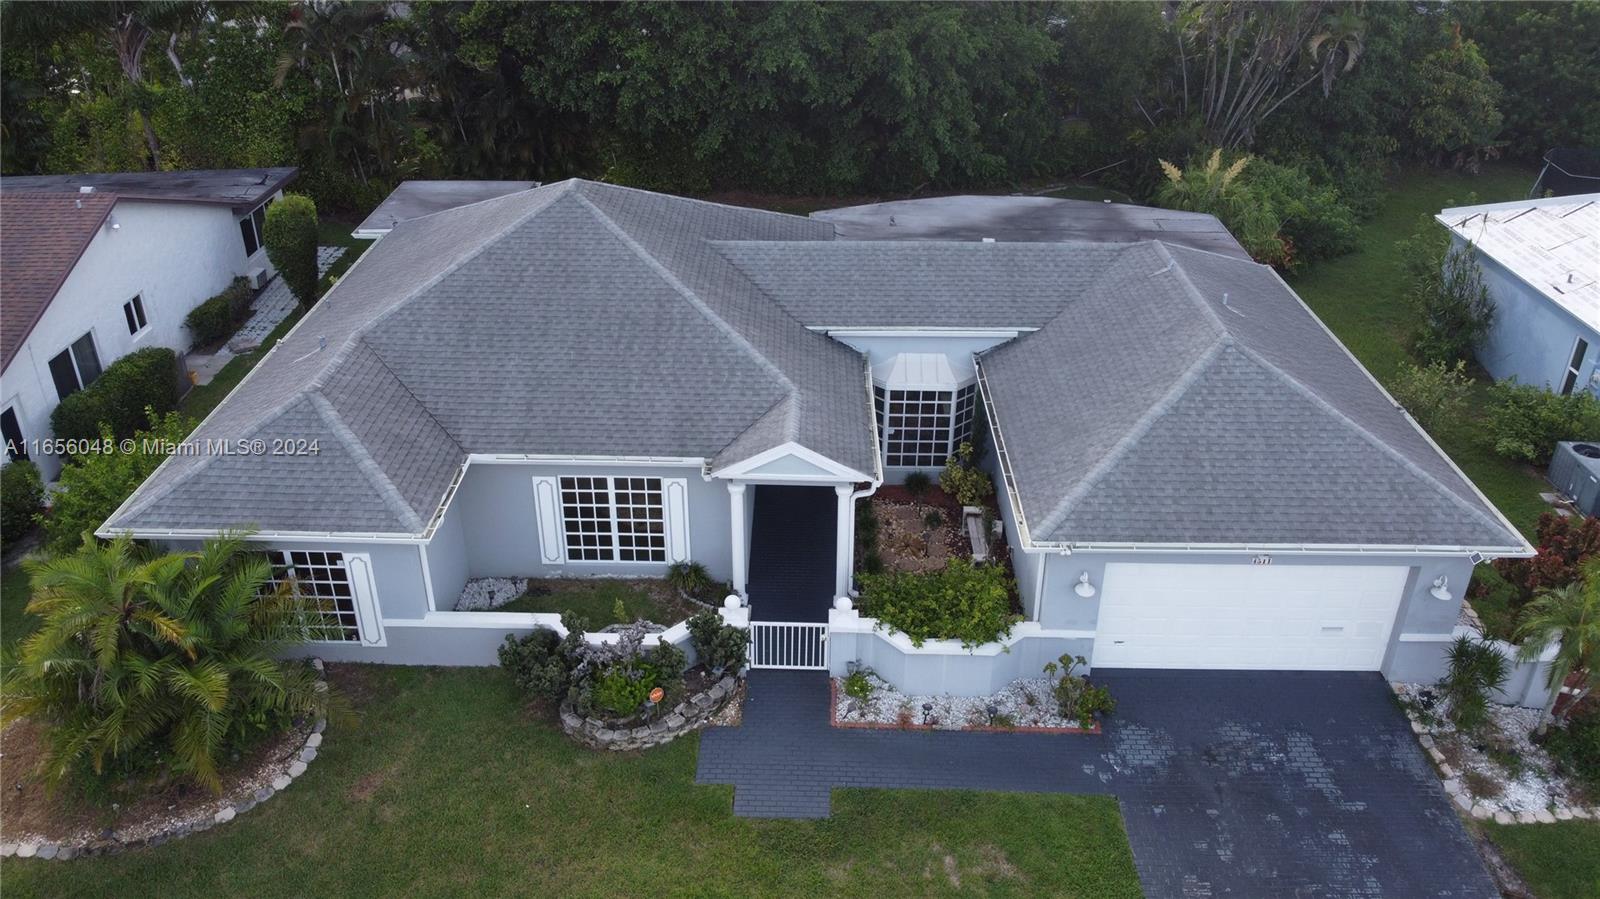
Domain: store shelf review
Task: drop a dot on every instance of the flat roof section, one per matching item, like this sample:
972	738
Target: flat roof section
1552	244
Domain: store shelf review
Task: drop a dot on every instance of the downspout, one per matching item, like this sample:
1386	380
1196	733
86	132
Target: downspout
872	485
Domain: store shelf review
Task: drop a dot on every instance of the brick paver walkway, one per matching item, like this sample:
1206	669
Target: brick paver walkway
1231	783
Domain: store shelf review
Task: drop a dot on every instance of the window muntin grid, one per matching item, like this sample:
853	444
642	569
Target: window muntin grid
621	519
922	428
323	581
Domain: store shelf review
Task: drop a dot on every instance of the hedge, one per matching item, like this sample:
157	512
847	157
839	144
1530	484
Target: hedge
290	234
119	397
21	497
1525	422
215	318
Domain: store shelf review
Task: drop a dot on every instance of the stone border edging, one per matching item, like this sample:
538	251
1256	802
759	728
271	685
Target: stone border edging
690	714
179	829
833	720
1457	791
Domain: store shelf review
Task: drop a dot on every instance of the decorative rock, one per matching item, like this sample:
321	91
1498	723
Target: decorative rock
27	850
1583	813
1452	786
1527	818
224	816
317	664
1563	814
1543	816
676	721
308	754
1482	812
1446	772
49	850
314	740
7	850
1503	818
1463	801
1426	741
202	824
265	793
1416	727
282	782
244	806
297	768
66	854
695	711
321	724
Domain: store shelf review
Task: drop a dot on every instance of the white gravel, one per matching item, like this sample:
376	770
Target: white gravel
1535	786
484	593
1028	702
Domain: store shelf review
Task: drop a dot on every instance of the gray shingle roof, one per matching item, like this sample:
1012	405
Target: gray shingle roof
417	198
1151	411
577	318
1027	219
891	284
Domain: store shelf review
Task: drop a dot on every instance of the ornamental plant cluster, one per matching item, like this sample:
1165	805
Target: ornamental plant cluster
720	646
122	397
962	601
1076	698
613	679
1526	420
1564	544
964	480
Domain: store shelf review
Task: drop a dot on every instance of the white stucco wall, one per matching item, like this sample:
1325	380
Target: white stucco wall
1532	338
173	255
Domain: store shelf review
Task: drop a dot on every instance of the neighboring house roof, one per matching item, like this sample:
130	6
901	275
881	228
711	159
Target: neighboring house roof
42	235
1029	219
224	187
921	284
577	318
1552	244
1191	398
415	199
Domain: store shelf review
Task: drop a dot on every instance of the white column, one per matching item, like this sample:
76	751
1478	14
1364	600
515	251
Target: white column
844	537
741	555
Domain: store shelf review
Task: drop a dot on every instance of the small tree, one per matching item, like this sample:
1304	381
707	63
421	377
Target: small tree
1434	394
1475	670
1568	616
181	651
93	485
291	239
1451	300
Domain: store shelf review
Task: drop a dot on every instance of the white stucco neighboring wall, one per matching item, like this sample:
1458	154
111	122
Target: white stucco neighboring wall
174	256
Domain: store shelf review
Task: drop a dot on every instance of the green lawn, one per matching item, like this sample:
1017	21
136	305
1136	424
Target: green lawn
446	787
1559	861
1360	296
596	601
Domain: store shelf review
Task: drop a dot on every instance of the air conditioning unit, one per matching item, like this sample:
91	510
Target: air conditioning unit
1575	472
257	278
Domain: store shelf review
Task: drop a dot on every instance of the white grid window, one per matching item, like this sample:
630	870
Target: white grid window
614	519
922	428
323	581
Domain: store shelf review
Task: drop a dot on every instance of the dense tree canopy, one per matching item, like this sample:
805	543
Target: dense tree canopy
794	97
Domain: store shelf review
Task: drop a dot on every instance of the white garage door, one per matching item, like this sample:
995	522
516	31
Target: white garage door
1318	617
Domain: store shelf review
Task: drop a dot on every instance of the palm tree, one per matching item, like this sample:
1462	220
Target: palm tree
136	651
1568	615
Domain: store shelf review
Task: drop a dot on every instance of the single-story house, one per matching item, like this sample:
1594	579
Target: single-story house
584	379
1541	264
93	267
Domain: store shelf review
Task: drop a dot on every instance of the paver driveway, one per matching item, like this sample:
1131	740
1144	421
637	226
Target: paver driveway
1231	783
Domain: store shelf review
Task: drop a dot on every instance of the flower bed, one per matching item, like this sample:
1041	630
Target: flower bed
1499	774
697	709
1026	704
39	824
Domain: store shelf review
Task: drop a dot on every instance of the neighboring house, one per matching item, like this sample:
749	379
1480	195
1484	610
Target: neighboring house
93	267
415	199
1540	262
586	379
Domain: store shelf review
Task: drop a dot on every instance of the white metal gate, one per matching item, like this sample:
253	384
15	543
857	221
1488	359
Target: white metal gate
789	644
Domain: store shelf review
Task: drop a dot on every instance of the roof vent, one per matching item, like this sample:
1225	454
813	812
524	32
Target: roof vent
86	189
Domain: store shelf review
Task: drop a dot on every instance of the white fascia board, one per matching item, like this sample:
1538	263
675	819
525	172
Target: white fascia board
922	332
841	473
261	536
558	459
369	233
1306	549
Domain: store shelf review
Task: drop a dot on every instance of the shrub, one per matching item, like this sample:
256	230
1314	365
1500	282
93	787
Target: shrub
1435	394
1576	745
21	498
179	654
918	483
1452	305
858	686
932	519
290	234
691	579
541	662
962	601
1317	223
1475	670
217	317
121	397
95	484
617	677
1563	545
719	645
1076	698
1217	189
961	479
1525	422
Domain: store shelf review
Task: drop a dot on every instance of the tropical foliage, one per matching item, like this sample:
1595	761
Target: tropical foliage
1569	617
799	98
720	646
21	498
1475	670
1565	543
1527	420
94	484
175	656
962	601
964	480
1435	394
